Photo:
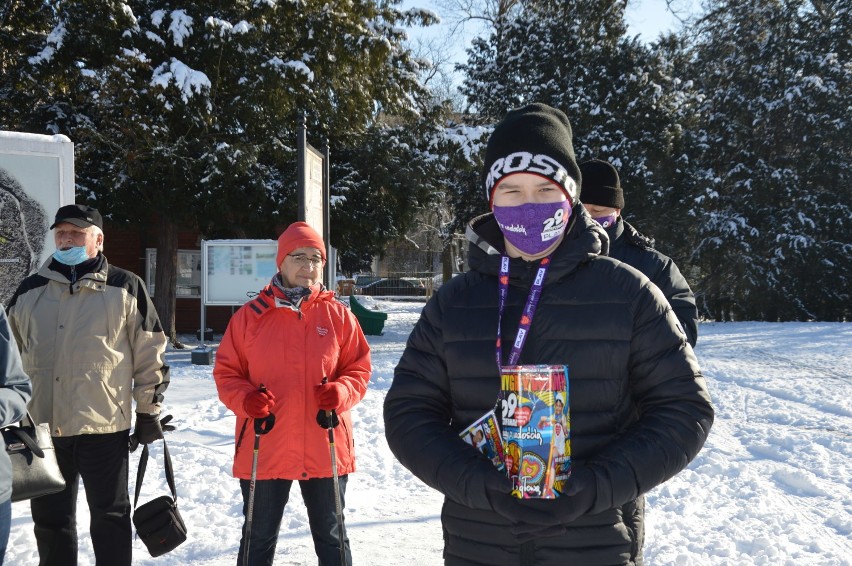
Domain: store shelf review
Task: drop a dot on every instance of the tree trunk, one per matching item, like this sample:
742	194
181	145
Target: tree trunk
165	280
447	259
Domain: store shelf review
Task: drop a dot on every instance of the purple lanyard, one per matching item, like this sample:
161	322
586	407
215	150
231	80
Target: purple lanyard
526	315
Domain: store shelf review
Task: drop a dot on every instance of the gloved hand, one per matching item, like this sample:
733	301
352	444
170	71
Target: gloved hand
498	489
564	510
331	396
327	419
164	426
258	403
148	428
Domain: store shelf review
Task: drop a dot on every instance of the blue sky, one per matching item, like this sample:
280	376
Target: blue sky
648	18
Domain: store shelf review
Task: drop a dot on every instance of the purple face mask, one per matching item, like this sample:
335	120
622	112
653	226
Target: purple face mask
533	227
607	221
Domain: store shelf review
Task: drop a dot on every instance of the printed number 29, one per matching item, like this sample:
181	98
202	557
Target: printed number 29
509	405
555	221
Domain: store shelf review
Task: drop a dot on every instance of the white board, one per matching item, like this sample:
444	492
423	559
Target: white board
314	201
232	271
36	179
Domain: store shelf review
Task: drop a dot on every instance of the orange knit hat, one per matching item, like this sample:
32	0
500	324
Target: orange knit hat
298	235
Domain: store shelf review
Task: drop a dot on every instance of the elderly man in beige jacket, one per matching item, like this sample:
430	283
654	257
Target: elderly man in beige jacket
92	343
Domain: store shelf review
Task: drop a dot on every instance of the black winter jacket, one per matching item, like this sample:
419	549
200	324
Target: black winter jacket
634	249
639	407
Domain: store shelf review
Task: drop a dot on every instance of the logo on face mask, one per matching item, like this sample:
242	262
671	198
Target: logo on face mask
517	228
553	226
542	223
606	221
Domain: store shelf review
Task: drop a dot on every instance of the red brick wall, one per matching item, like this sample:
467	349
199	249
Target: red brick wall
125	248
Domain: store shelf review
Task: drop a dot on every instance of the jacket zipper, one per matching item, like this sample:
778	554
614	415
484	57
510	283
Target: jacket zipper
240	439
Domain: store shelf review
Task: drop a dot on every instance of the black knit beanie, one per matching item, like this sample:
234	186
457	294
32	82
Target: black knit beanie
601	185
533	139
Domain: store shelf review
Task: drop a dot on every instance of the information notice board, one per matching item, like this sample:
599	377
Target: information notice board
36	178
233	271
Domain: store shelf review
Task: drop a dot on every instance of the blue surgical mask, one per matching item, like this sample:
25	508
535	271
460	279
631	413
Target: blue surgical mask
71	256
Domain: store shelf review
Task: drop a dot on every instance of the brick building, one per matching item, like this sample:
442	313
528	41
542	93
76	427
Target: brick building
135	249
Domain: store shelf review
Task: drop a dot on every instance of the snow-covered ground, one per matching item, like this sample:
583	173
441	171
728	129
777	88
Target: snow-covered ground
773	485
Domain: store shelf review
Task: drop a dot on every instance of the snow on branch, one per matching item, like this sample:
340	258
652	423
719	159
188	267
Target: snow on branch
180	28
298	66
53	43
188	80
227	28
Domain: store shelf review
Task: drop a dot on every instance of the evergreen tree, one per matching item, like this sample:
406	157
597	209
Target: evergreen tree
188	110
491	71
23	95
456	148
775	208
625	101
384	180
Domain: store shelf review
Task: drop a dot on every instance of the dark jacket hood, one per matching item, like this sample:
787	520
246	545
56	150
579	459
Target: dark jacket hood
622	232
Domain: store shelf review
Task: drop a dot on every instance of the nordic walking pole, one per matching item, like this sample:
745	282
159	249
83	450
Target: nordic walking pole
261	427
332	421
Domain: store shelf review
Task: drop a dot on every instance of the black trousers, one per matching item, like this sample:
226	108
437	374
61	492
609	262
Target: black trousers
101	460
270	498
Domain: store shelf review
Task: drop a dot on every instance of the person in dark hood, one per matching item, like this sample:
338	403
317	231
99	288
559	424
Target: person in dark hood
539	284
603	198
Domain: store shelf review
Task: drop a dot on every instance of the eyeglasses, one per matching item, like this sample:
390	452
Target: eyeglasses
304	261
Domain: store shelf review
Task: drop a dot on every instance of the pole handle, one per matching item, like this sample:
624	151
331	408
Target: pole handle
327	419
264	425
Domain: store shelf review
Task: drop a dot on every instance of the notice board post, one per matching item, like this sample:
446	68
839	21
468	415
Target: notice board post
331	265
313	192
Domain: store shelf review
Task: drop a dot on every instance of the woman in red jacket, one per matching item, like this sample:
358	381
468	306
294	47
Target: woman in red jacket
288	339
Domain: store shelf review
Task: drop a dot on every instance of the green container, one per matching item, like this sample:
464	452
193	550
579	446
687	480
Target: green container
372	322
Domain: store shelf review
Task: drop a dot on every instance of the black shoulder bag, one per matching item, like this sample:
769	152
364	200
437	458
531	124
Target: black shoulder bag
35	471
158	522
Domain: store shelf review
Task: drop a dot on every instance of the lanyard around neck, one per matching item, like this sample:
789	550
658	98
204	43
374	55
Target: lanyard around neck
526	314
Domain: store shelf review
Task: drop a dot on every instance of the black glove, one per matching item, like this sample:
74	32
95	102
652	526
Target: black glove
498	488
148	429
326	421
164	424
562	511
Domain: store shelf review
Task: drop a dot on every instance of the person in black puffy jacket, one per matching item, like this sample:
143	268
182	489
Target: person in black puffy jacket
639	407
603	197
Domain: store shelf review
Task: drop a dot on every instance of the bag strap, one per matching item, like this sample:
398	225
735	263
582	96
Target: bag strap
25	439
143	464
21	433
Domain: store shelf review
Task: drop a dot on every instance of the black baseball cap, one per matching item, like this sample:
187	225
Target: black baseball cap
79	215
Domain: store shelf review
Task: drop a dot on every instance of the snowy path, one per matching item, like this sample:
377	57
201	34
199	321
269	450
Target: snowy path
771	487
773	484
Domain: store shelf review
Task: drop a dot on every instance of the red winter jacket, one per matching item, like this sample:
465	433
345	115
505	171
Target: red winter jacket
290	351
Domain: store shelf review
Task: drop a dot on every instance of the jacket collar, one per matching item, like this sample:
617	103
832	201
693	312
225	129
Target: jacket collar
633	236
272	297
616	230
95	271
